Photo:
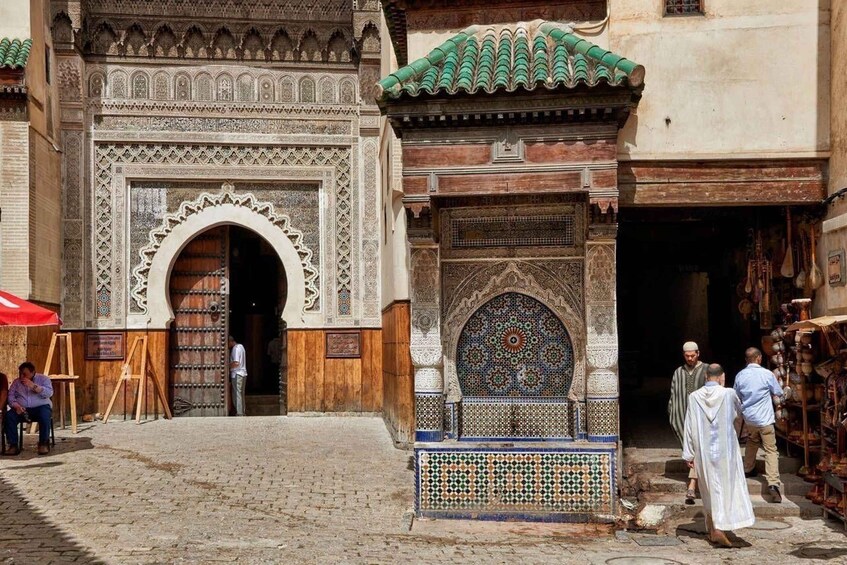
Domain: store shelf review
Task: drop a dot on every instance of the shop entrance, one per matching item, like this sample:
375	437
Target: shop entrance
227	280
681	274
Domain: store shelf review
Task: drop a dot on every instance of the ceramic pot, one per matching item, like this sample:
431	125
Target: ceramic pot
805	339
778	359
806	368
807	356
787	393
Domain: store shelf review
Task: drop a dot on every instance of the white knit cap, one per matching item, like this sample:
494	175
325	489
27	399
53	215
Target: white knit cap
690	346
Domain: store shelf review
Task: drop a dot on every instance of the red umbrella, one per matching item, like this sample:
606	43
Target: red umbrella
15	311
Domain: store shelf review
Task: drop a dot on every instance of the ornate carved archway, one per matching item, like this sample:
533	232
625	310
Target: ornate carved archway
207	211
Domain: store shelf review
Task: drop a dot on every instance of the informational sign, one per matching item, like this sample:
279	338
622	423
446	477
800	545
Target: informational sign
835	267
104	346
344	344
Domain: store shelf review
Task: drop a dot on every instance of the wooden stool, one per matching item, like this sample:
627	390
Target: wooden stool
68	381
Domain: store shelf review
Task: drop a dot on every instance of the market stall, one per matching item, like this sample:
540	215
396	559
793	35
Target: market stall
814	414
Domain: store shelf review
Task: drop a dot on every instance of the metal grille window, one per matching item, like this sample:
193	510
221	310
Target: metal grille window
682	7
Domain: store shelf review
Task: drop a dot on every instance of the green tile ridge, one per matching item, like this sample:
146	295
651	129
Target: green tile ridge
423	64
14	52
633	71
526	55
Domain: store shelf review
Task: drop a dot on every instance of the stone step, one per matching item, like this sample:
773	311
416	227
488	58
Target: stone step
677	484
763	508
659	461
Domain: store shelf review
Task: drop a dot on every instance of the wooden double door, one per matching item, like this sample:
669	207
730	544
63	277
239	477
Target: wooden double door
226	281
198	343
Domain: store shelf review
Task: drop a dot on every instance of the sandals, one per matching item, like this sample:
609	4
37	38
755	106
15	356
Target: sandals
690	495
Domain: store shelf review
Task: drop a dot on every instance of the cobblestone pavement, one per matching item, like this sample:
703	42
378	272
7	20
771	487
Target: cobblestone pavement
295	490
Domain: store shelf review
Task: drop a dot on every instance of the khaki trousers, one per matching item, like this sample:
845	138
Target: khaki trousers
763	437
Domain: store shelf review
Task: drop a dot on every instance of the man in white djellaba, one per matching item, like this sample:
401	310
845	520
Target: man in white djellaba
711	447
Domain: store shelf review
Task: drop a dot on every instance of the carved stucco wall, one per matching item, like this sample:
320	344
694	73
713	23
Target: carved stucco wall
214	124
553	275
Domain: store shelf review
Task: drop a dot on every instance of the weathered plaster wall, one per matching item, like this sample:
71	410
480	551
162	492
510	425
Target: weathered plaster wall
14	18
835	228
395	268
747	78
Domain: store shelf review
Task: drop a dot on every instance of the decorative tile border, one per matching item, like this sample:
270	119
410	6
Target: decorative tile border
602	419
429	416
517	419
540	484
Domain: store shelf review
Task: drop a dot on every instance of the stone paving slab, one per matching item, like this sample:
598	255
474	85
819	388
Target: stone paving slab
289	490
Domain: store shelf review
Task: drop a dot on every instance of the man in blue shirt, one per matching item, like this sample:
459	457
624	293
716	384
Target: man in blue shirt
757	387
29	399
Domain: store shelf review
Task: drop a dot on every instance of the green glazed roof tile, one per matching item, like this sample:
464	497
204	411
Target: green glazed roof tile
14	52
510	57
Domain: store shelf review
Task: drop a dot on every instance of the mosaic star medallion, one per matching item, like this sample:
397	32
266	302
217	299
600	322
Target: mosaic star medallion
514	346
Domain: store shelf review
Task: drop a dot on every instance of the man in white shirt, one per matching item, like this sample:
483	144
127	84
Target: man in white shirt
238	374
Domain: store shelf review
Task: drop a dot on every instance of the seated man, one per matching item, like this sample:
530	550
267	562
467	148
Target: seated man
4	393
29	398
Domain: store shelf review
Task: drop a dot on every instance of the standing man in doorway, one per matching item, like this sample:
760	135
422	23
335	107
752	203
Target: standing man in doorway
238	374
686	379
757	387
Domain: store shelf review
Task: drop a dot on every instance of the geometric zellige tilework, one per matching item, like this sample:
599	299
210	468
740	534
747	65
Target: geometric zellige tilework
517	418
502	481
602	417
429	411
514	345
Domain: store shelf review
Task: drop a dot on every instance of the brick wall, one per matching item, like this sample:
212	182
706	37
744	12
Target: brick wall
14	202
45	265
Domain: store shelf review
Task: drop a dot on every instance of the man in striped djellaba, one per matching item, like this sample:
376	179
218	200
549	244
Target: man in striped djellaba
686	379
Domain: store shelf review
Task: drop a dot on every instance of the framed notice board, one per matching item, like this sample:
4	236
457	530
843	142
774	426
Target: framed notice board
343	344
105	346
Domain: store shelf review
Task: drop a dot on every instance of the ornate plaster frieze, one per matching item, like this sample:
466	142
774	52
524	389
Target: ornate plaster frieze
232	85
206	200
197	162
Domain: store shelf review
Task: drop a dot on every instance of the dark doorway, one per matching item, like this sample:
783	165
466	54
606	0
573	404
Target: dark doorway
256	300
678	276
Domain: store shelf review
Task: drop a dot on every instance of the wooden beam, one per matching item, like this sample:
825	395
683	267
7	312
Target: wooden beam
722	182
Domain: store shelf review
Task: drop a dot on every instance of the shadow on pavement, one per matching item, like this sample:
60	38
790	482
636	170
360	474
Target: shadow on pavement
26	536
697	529
63	445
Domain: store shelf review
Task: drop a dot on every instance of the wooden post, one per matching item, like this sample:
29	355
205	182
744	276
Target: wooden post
138	345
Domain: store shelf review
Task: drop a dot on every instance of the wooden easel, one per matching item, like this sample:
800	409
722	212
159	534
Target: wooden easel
68	381
127	375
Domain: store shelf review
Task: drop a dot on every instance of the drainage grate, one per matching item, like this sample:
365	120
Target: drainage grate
656	541
821	550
